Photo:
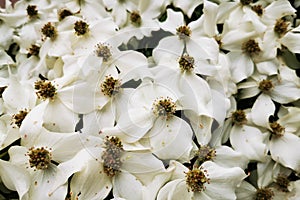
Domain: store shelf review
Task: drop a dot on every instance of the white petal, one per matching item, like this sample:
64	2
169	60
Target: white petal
262	109
203	48
74	165
78	98
286	92
292	42
168	45
127	186
223	181
268	67
285	150
151	190
201	126
95	121
174	190
171	139
174	20
64	122
14	178
278	9
266	172
241	66
200	102
136	123
129	62
99	184
227	157
42	181
249	141
246	191
138	163
19	95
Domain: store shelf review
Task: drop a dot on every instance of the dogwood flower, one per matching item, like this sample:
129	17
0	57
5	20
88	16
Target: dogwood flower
150	116
111	166
202	182
183	38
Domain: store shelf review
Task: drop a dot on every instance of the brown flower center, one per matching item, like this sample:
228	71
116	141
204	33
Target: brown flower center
49	31
196	179
63	13
251	47
39	158
206	153
277	129
265	85
18	118
32	11
264	194
239	117
258	9
34	50
282	182
103	51
164	107
112	156
110	86
45	89
183	32
186	63
135	18
281	27
81	28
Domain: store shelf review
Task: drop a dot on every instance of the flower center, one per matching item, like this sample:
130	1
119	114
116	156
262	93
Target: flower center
258	9
110	86
251	47
32	12
195	180
135	18
265	85
45	89
34	50
164	107
283	183
206	153
2	90
103	51
81	28
18	118
186	63
239	117
246	2
63	13
39	158
111	156
183	32
281	27
264	194
277	129
49	31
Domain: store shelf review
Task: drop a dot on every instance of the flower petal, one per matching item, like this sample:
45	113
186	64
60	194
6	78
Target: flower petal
285	150
249	141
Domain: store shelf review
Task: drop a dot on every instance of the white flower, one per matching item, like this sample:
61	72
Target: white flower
39	155
150	116
209	181
284	144
183	37
141	20
108	165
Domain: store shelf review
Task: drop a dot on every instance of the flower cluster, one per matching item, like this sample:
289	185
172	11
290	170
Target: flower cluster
149	99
